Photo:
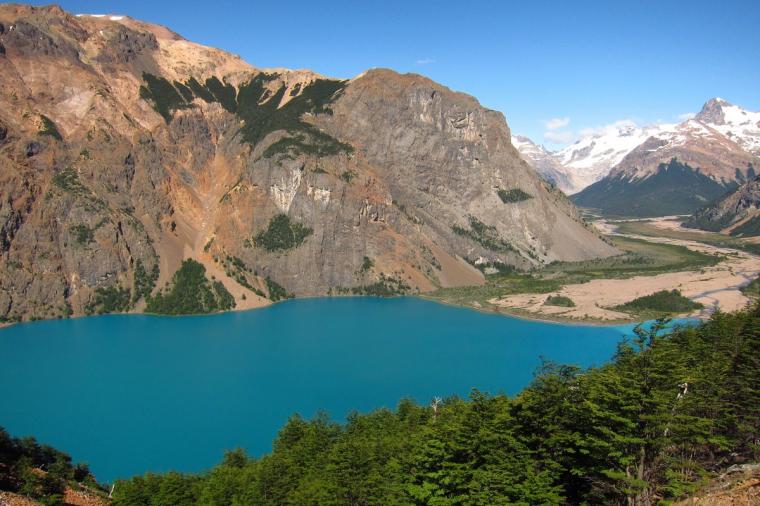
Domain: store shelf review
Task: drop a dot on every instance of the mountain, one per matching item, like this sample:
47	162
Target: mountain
589	159
126	149
677	170
594	156
545	163
737	213
739	125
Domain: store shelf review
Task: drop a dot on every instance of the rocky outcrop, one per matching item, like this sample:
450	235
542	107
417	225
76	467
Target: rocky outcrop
737	213
131	149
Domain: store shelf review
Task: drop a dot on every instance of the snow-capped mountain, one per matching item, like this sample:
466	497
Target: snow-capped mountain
680	169
592	157
545	162
720	127
589	159
694	143
739	125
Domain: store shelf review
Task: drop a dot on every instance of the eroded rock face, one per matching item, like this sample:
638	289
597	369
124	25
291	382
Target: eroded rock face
133	149
737	212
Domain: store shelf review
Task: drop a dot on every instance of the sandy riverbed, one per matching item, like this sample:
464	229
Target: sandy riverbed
715	287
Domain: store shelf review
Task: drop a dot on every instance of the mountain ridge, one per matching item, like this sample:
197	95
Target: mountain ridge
132	149
601	154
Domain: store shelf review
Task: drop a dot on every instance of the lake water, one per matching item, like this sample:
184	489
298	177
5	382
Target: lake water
133	393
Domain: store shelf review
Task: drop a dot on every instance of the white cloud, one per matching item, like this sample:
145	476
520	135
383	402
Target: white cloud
557	123
611	128
425	61
565	137
686	116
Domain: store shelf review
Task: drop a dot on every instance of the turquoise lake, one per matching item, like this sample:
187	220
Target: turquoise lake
133	393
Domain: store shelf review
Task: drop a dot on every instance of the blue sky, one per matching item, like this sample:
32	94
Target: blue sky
583	64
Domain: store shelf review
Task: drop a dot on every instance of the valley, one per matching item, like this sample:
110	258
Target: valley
709	269
254	266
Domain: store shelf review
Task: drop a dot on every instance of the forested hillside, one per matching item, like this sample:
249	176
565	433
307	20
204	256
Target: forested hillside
652	425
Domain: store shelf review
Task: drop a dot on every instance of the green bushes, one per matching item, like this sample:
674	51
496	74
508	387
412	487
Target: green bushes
20	464
225	300
670	409
199	90
110	299
282	234
49	128
559	300
367	264
513	195
165	97
313	143
191	293
348	176
223	93
485	235
386	286
144	281
752	289
660	302
258	108
82	234
276	291
68	179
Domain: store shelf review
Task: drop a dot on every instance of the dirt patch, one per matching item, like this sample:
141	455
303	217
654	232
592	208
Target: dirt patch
455	271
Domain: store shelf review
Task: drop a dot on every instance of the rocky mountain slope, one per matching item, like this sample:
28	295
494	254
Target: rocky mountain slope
676	171
737	213
125	149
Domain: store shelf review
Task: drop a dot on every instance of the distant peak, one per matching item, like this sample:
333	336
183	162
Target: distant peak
712	111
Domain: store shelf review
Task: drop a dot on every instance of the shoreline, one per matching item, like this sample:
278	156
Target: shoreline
503	312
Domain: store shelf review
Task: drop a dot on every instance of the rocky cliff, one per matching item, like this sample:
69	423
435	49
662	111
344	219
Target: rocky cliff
737	213
125	149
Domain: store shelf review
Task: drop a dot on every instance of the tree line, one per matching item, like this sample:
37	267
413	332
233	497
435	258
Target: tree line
671	409
667	412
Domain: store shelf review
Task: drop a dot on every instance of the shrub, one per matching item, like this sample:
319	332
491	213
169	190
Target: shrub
367	264
82	234
313	143
386	286
485	235
110	299
165	97
223	93
663	301
49	128
752	289
282	234
276	291
513	195
348	176
68	180
559	300
144	282
190	293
